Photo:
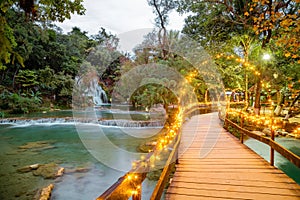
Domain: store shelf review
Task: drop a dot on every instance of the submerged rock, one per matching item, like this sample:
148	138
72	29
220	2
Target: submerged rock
77	170
48	171
37	146
146	147
28	168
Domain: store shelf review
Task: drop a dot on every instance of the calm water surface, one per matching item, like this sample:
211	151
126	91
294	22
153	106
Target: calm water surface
69	152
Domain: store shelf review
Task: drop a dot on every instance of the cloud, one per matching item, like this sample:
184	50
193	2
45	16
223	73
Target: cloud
117	16
130	20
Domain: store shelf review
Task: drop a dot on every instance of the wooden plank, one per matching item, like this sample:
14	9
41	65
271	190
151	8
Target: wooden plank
229	170
236	188
214	180
228	194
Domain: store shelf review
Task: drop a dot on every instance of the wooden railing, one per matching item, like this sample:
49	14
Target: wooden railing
130	185
293	158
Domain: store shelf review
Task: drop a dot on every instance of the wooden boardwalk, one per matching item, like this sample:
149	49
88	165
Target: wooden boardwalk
215	165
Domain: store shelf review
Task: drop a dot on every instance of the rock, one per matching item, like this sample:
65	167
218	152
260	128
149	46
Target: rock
24	169
77	170
145	148
28	168
34	166
60	172
39	145
48	171
267	131
259	133
282	132
46	192
82	170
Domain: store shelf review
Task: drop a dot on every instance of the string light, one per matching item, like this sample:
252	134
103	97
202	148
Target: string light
240	60
155	154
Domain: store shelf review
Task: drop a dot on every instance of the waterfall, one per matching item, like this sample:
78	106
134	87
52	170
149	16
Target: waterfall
90	88
98	94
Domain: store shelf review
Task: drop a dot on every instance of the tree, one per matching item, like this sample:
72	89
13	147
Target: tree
277	20
162	8
37	11
269	19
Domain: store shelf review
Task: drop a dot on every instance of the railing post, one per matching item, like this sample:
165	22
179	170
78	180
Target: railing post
176	151
272	150
242	125
226	117
176	157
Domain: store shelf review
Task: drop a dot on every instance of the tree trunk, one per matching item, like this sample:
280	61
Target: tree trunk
280	103
257	98
291	106
206	96
13	83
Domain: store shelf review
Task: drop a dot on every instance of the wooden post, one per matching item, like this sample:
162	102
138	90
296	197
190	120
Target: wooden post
226	117
272	150
176	156
242	125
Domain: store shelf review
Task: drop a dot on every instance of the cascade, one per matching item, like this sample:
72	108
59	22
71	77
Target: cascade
130	123
91	89
96	91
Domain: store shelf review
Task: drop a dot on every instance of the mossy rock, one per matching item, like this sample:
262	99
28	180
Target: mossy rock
48	171
154	175
38	145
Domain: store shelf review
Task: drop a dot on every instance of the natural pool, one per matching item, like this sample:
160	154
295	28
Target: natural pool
66	150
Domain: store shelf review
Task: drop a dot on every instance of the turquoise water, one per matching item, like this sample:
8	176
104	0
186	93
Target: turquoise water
282	163
67	151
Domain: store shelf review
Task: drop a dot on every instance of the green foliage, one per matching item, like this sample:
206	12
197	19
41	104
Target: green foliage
16	103
26	78
43	10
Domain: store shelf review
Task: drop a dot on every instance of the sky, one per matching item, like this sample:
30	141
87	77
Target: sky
117	16
125	18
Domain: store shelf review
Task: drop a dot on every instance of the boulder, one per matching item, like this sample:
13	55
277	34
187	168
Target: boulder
46	192
48	171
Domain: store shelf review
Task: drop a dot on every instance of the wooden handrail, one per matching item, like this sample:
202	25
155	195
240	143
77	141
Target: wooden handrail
293	158
158	190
